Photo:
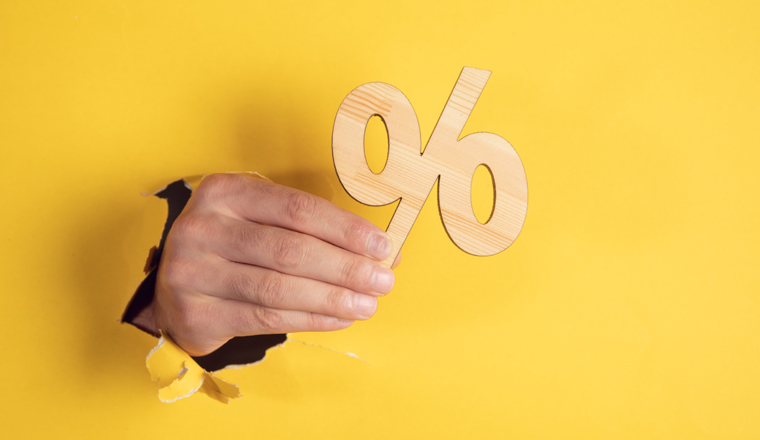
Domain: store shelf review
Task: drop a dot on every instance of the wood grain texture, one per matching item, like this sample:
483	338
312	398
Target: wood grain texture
410	176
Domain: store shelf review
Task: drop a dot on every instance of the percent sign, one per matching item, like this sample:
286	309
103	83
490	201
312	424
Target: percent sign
409	175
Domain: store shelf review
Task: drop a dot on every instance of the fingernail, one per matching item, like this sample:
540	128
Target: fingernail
365	305
380	246
382	280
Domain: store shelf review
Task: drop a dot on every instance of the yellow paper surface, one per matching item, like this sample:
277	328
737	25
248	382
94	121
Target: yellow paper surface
627	308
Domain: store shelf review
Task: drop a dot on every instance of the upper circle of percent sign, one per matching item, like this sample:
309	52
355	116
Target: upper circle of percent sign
409	175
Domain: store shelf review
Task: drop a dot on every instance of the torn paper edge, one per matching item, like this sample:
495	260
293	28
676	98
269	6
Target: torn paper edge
345	353
192	391
192	182
266	353
214	392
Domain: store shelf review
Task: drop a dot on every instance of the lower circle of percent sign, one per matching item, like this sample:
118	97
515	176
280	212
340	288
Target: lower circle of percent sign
410	175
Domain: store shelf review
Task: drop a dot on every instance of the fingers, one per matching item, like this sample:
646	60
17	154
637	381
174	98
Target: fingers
301	255
250	257
260	201
271	289
205	324
397	261
236	318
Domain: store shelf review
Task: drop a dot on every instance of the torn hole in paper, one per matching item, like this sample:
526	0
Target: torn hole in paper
238	351
180	375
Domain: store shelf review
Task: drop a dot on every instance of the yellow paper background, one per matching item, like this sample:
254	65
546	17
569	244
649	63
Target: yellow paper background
628	307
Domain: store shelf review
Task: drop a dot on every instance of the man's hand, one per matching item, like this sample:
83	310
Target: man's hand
250	257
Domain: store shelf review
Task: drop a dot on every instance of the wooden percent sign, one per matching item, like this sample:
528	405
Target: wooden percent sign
409	175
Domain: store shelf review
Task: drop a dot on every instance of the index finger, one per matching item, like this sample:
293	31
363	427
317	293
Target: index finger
260	201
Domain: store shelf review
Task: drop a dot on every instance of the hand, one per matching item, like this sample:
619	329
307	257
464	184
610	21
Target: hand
248	257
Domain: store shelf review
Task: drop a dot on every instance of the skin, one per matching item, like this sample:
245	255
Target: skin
250	257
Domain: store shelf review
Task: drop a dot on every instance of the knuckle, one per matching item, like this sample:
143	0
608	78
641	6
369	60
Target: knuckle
357	231
300	207
337	300
191	318
289	250
175	276
271	289
189	226
216	187
351	272
315	321
267	320
318	322
214	184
